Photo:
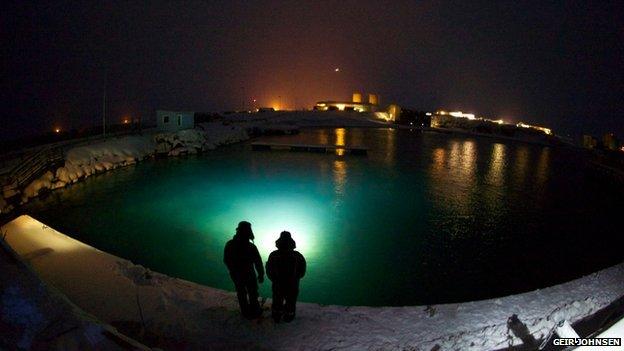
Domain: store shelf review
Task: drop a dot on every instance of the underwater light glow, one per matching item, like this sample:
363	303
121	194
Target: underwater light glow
269	216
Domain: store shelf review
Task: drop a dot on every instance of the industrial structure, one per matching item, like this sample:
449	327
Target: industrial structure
355	104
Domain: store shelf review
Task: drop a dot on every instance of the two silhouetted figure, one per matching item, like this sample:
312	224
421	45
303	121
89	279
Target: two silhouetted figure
285	268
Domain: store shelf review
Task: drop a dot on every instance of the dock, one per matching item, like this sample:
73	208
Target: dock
334	149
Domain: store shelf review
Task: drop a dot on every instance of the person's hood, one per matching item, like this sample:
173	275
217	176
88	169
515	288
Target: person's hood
243	231
285	241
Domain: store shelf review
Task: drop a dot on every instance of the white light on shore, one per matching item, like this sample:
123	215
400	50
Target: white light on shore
461	114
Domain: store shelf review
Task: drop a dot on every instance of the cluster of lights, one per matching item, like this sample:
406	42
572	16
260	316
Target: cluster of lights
383	115
340	106
524	125
455	114
471	116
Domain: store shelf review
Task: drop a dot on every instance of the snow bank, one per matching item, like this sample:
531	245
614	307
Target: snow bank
207	136
179	312
84	161
34	316
44	182
117	151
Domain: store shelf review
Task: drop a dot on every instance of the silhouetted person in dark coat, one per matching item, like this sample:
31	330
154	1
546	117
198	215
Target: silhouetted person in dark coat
240	257
285	268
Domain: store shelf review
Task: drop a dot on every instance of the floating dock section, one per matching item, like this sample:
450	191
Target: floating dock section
334	149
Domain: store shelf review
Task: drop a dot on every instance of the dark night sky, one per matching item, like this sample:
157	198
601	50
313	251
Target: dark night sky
556	63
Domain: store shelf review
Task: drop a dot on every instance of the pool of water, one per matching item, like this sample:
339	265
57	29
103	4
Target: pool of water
423	218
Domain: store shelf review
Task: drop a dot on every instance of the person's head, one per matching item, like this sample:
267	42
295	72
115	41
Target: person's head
244	231
285	241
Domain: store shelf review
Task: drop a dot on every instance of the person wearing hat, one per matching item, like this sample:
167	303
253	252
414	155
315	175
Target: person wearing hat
241	256
285	268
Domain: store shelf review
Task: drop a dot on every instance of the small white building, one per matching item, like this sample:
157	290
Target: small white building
172	121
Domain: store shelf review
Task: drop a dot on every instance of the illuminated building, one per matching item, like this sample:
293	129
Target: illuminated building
394	112
357	97
355	105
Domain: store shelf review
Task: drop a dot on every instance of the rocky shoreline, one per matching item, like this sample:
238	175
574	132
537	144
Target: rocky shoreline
82	162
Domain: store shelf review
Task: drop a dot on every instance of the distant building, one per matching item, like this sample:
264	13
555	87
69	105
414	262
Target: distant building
172	121
589	142
610	142
394	112
355	105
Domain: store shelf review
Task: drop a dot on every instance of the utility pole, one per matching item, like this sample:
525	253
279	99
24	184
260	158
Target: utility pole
104	105
244	99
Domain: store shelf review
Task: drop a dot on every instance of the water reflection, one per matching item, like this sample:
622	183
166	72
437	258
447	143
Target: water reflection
492	187
340	140
542	168
462	161
439	157
496	170
469	160
323	137
340	136
521	164
453	178
390	144
340	178
356	136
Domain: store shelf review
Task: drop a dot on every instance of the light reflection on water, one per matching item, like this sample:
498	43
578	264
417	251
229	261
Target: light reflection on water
496	172
521	164
340	178
444	219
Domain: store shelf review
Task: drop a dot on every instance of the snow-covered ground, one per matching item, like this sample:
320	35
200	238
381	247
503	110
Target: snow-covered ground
35	316
173	313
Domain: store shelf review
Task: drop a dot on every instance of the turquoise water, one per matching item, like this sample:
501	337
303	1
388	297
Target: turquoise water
424	218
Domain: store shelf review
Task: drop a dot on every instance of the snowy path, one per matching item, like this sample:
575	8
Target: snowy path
181	314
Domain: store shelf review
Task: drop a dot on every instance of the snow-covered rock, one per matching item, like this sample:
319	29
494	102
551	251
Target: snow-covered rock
113	151
43	182
84	161
9	192
207	136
